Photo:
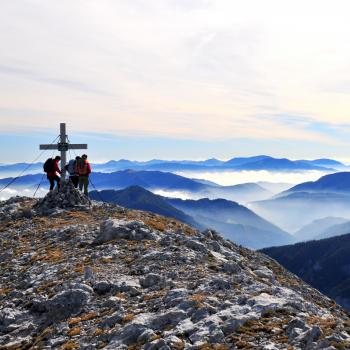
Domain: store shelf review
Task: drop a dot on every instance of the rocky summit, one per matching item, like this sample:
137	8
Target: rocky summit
66	197
81	275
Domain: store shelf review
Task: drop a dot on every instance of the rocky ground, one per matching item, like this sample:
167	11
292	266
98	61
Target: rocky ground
99	276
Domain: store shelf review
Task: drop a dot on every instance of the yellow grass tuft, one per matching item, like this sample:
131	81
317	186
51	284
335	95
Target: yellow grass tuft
5	291
128	318
74	331
86	317
98	332
121	296
199	298
70	345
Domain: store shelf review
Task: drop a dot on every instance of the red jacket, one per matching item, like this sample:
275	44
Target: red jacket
57	169
84	168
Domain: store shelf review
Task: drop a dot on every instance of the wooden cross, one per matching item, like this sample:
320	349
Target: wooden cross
63	146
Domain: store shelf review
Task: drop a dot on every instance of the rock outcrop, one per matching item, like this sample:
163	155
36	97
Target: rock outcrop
113	278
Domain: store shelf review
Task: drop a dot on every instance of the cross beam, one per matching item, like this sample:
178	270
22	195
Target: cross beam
63	146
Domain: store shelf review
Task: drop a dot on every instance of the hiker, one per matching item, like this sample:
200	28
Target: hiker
84	170
72	168
51	169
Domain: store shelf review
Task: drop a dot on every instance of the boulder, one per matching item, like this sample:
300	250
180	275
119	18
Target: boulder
102	287
127	335
231	267
112	229
170	318
151	280
67	303
197	246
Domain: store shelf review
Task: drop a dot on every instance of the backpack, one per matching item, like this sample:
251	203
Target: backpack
49	166
71	167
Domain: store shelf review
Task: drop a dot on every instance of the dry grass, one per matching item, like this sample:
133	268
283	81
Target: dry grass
5	291
121	296
70	345
328	325
128	317
79	268
127	259
98	332
270	325
341	345
180	345
50	256
155	337
45	286
136	346
38	340
157	224
208	346
74	331
198	298
154	295
86	317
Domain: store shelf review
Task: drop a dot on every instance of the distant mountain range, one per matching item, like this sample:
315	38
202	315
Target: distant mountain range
157	180
324	264
235	221
243	163
235	164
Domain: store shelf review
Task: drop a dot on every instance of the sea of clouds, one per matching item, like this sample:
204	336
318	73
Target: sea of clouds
27	192
229	178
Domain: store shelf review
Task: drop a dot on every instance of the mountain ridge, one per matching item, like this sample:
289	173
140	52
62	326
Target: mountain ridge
235	221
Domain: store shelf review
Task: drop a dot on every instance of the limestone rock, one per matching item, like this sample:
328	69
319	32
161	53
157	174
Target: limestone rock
112	229
67	303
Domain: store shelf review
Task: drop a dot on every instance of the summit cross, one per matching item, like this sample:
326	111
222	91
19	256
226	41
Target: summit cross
63	146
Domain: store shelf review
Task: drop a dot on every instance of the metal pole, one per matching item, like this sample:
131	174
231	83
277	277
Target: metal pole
63	139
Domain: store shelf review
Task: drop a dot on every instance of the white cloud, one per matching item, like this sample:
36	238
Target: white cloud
228	178
176	194
186	69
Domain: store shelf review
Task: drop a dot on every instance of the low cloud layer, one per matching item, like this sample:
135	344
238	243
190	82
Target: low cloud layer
27	192
228	178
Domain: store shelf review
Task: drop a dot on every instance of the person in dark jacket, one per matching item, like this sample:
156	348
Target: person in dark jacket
84	170
72	168
52	173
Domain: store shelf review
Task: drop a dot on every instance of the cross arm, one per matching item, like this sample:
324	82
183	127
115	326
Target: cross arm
78	146
44	147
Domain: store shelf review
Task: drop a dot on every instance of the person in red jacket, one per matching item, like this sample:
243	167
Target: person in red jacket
84	170
52	170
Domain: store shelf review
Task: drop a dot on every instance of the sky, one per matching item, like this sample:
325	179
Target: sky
176	79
